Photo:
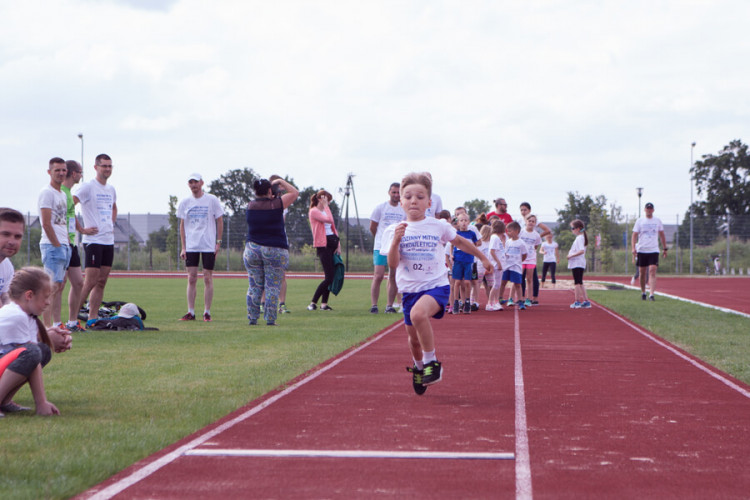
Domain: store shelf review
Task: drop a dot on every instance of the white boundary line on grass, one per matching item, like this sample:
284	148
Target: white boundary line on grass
683	299
679	354
447	455
523	461
150	468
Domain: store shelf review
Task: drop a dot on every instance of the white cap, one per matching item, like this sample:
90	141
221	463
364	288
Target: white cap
129	310
195	177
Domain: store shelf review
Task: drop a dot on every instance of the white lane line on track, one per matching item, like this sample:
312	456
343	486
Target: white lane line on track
350	454
653	338
683	299
150	468
523	461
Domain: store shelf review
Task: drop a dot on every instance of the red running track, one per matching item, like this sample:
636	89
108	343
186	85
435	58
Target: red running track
550	402
731	292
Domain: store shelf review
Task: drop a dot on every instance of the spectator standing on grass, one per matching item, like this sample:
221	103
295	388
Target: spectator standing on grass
25	344
387	213
201	228
551	251
647	232
98	201
266	255
326	242
53	214
416	251
12	225
74	274
577	264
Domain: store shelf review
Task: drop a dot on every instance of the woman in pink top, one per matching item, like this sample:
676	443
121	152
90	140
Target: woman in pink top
326	243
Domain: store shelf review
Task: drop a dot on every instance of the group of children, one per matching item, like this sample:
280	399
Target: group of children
421	247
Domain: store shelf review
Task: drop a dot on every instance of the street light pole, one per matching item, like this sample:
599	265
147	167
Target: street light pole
640	193
692	147
80	136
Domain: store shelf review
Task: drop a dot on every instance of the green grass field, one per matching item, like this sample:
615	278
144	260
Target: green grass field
125	395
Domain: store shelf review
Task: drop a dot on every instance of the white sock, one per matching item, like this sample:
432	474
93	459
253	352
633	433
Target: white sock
72	323
418	364
191	311
428	356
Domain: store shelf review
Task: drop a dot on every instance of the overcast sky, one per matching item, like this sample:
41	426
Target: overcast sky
522	99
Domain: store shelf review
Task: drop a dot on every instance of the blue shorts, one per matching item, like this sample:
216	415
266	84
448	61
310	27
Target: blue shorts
378	259
55	260
512	276
462	270
440	294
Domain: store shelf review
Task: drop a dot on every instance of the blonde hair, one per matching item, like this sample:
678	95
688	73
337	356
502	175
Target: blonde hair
32	279
486	232
420	178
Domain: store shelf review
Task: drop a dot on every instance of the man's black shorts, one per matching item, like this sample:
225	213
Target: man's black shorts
647	259
192	258
98	255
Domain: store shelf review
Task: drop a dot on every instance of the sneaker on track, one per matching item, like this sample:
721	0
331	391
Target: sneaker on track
586	305
474	306
206	317
521	306
643	296
188	317
432	373
527	302
416	379
456	306
534	302
374	310
390	310
510	302
467	307
575	305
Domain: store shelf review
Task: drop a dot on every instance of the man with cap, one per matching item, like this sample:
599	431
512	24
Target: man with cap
201	228
647	232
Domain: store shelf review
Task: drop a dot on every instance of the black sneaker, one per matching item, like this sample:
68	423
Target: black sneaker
474	307
416	379
456	307
643	296
374	310
432	373
312	307
651	298
467	307
188	317
326	308
390	310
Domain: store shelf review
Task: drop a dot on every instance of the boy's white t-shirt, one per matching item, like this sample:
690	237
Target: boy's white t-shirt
57	202
421	254
199	216
97	203
385	214
16	327
532	239
498	246
6	274
648	234
578	245
549	251
514	250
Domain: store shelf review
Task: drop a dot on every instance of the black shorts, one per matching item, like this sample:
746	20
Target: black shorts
647	259
98	255
75	258
209	259
577	275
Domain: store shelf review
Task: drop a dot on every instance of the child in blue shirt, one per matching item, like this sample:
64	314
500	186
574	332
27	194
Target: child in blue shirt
462	265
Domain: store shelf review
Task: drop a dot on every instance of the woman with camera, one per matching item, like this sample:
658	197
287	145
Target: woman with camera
326	243
266	254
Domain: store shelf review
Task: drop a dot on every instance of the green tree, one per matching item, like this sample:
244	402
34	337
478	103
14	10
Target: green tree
173	238
476	207
705	227
724	179
234	189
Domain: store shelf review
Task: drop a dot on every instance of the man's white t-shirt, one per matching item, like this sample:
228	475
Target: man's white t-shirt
16	327
648	234
532	240
385	214
199	215
57	202
422	254
436	206
97	203
549	251
6	274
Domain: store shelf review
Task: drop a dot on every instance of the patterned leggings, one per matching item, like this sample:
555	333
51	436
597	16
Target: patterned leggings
265	272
